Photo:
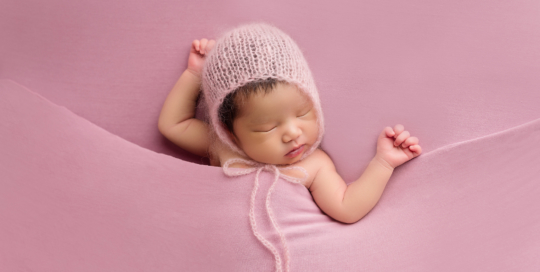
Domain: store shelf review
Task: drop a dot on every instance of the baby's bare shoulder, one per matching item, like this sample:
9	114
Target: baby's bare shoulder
321	159
314	162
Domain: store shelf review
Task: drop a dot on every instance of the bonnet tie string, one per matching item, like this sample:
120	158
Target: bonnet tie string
270	168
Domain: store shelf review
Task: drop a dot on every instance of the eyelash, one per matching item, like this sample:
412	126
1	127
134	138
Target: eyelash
305	113
268	130
276	126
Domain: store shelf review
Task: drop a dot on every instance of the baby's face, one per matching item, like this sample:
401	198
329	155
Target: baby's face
271	125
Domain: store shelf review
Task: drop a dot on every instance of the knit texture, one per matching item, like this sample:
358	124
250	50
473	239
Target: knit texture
259	167
253	52
244	54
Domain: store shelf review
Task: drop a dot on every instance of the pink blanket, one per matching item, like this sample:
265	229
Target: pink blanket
75	197
87	182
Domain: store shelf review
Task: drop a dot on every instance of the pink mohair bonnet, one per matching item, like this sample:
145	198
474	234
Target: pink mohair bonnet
252	52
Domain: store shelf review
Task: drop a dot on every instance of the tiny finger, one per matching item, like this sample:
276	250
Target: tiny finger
399	129
203	45
402	137
390	132
410	142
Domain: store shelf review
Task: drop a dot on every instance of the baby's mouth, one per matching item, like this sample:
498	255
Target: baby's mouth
295	152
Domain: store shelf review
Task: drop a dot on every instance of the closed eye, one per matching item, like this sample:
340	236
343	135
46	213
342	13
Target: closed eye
265	130
305	113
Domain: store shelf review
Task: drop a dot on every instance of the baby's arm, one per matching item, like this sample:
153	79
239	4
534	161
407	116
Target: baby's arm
350	203
177	120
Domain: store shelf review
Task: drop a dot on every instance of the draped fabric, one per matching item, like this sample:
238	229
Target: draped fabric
87	182
77	198
258	167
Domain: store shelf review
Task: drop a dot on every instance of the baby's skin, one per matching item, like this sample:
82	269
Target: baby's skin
272	125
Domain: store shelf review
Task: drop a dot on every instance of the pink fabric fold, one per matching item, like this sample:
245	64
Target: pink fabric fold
75	197
87	182
258	167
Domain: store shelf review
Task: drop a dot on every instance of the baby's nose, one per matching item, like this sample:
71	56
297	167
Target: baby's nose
293	132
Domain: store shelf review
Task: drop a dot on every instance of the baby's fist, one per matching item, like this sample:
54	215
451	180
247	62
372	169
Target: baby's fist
199	48
396	146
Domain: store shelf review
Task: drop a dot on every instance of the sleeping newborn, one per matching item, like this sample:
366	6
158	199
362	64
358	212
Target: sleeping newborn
265	114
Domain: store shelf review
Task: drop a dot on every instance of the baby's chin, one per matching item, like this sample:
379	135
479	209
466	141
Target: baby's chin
275	162
282	161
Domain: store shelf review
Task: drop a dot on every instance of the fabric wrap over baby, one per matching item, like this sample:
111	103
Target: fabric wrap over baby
249	53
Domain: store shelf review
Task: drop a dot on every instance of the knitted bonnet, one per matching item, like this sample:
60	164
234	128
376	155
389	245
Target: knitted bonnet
252	52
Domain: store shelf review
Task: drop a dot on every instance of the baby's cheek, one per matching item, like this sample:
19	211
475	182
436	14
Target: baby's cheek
261	139
313	130
259	143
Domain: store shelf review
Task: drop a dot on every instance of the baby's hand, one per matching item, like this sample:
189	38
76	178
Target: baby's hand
196	55
395	146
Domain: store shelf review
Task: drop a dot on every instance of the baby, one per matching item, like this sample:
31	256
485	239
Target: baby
264	110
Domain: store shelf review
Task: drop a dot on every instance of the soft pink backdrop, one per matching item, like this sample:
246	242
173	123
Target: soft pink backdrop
453	72
448	70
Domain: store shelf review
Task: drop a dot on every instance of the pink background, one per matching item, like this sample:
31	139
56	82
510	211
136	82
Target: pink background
448	71
111	193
